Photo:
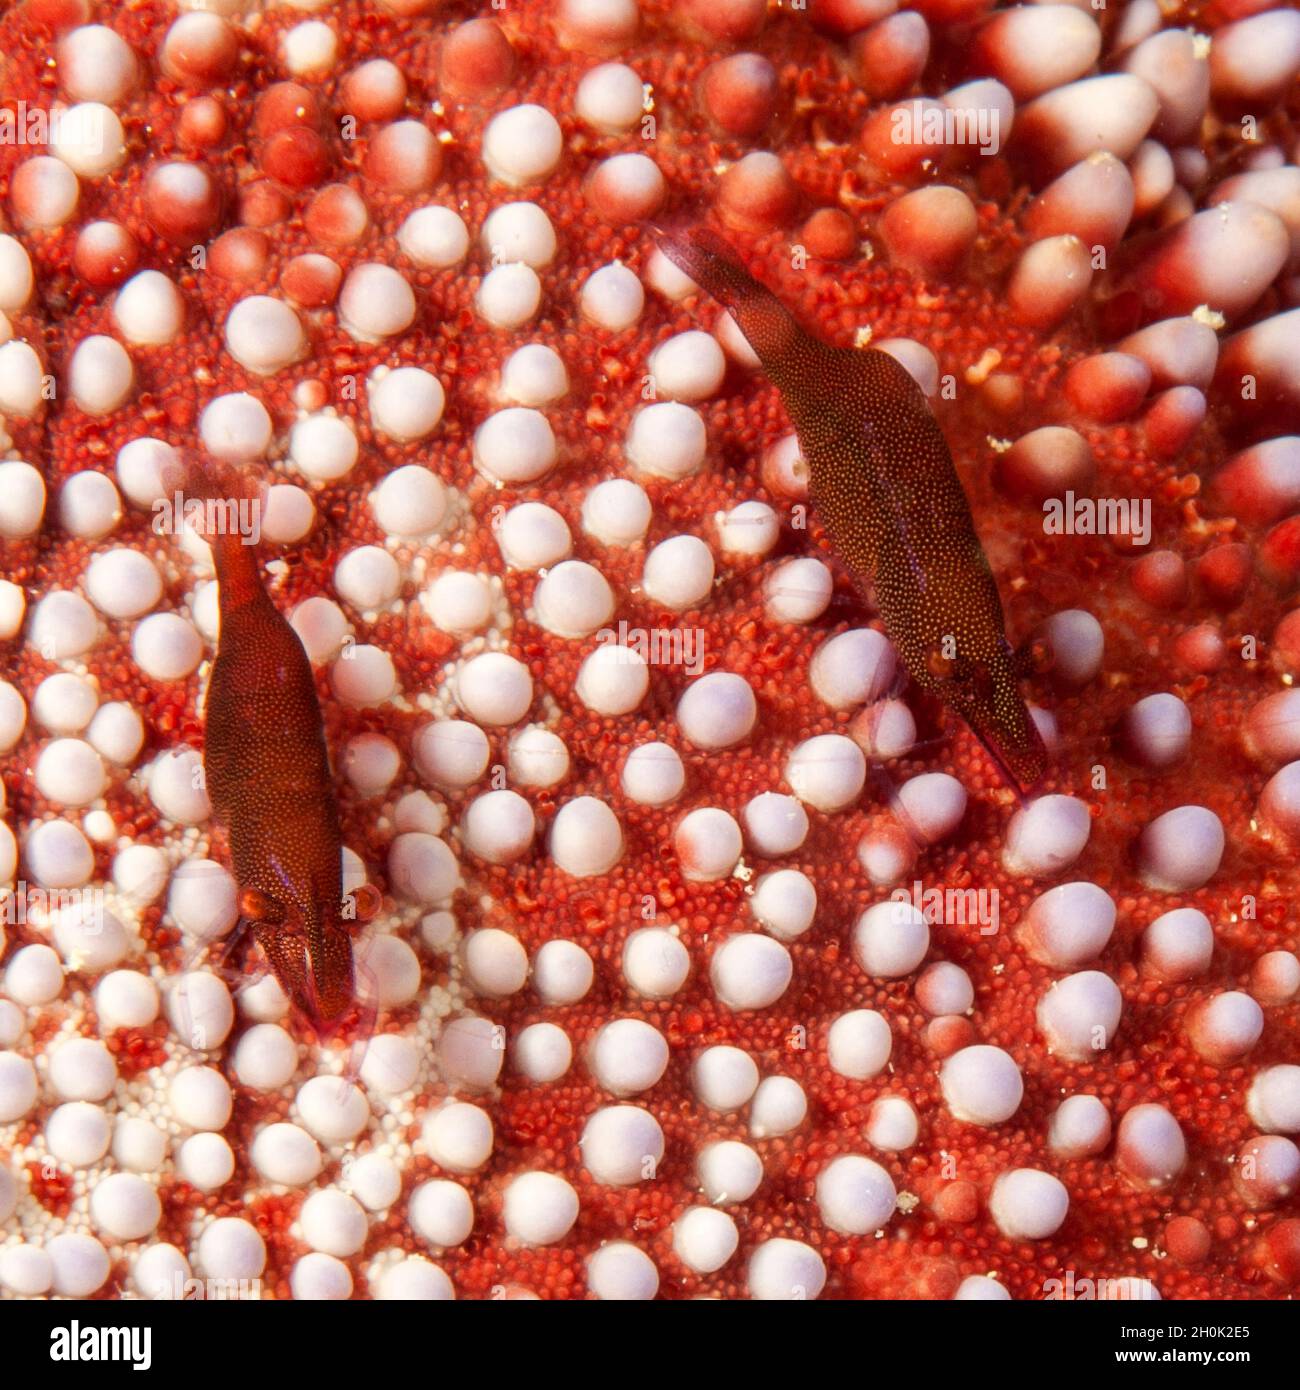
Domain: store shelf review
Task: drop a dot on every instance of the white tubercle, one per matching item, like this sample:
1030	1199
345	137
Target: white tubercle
522	145
729	1172
543	1052
519	232
458	1136
1070	924
853	668
515	445
892	1124
826	772
495	962
616	512
1079	1014
782	1269
234	428
573	599
890	939
613	680
708	844
1079	1127
375	302
667	440
1149	1146
323	447
785	903
1225	1028
510	295
944	989
539	1208
855	1195
1181	850
628	1056
434	236
406	403
1273	1101
775	824
88	137
799	590
149	310
494	688
612	297
621	1271
1158	731
1178	945
688	367
562	972
981	1085
533	536
704	1239
858	1044
586	839
610	98
724	1078
653	774
411	500
678	572
1046	836
264	334
750	971
534	375
622	1145
717	711
1028	1204
100	375
749	528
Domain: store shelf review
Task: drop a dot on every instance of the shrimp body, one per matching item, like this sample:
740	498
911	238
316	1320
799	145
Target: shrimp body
882	480
268	776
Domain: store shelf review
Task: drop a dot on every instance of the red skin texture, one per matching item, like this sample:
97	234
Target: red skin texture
1189	648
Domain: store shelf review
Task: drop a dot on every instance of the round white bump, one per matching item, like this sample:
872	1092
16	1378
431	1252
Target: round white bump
751	971
534	375
1070	924
799	591
729	1172
375	302
704	1239
1046	836
264	334
1273	1101
774	825
573	600
405	404
1181	850
411	501
616	512
562	972
724	1078
628	1056
612	297
494	688
853	668
435	237
855	1195
1079	1127
1149	1146
653	774
539	1208
689	366
622	1145
858	1044
678	572
1179	945
890	940
784	1269
655	963
1027	1204
1079	1014
613	680
543	1052
515	445
827	772
610	98
785	903
586	838
708	844
441	1212
522	145
668	439
981	1085
234	428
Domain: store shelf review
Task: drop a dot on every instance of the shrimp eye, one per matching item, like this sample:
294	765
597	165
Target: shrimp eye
1037	657
939	664
362	904
259	907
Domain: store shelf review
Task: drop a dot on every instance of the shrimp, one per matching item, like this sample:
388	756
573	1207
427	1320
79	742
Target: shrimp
882	480
268	776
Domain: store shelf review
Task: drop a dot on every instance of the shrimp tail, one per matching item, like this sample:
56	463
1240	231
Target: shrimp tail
769	327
